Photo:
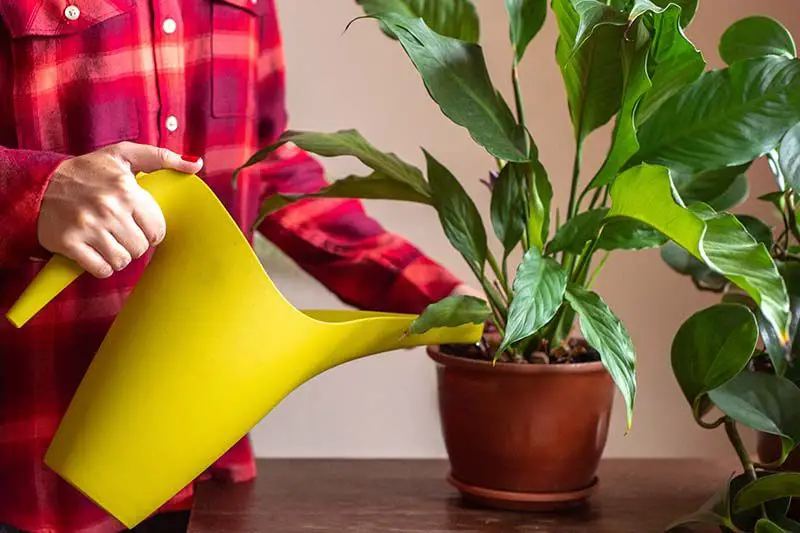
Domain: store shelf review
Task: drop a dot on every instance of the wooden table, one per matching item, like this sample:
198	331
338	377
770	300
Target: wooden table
342	496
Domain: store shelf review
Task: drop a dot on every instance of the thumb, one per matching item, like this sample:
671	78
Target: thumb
147	158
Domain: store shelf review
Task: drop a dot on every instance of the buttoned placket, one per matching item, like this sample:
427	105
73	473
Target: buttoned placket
168	42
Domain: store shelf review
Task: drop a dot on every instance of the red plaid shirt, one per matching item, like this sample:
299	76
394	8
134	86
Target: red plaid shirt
200	77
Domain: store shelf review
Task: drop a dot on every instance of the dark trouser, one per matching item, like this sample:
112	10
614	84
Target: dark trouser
163	523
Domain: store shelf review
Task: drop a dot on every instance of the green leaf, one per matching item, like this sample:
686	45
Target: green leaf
539	199
705	186
715	511
746	519
588	52
755	37
734	196
526	19
688	9
712	347
727	117
757	229
645	193
456	77
376	186
577	231
763	402
789	157
624	143
508	206
538	293
768	526
451	312
674	61
789	525
451	18
606	334
685	263
348	143
628	234
458	215
768	488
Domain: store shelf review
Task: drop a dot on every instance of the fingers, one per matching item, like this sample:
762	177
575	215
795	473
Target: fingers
149	218
146	158
88	259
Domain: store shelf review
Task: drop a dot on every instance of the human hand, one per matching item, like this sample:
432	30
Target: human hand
95	213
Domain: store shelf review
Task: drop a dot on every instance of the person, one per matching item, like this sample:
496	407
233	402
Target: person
92	92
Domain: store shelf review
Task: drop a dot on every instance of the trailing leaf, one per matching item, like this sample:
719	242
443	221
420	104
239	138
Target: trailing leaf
628	234
458	215
763	402
715	512
573	235
706	186
789	157
727	117
508	208
590	34
451	18
768	526
711	348
455	74
605	333
734	196
538	293
645	193
766	489
753	37
688	9
451	312
526	18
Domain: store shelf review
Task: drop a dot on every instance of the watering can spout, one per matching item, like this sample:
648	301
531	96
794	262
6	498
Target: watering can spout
204	347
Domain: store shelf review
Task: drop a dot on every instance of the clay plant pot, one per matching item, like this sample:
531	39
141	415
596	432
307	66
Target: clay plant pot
768	448
523	436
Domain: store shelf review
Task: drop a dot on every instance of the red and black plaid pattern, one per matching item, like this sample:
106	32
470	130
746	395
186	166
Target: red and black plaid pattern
208	83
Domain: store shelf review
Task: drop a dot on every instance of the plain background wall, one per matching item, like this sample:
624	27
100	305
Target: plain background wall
385	406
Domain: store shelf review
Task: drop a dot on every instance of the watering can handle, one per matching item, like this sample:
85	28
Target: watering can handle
56	275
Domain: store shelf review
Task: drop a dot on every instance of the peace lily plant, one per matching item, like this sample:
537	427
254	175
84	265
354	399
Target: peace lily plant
681	136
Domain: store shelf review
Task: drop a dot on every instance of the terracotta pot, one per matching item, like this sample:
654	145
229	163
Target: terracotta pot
523	436
768	448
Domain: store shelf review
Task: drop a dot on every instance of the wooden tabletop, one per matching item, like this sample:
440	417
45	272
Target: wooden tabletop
345	496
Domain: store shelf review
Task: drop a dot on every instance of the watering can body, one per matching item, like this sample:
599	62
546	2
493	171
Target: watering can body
204	347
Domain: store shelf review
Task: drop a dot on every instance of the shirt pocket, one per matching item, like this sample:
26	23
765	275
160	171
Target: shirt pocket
74	72
234	53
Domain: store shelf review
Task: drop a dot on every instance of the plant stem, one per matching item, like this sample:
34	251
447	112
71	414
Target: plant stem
597	270
741	451
500	275
792	218
517	94
576	172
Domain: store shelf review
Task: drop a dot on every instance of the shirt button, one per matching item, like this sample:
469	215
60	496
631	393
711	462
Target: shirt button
172	123
169	26
72	12
254	2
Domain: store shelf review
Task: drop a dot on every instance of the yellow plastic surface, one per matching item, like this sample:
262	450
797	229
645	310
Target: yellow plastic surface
203	349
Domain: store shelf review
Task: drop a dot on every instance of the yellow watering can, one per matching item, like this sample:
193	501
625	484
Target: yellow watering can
203	349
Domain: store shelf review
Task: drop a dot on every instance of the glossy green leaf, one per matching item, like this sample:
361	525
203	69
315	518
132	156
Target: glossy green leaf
715	512
688	9
458	215
451	312
605	332
789	157
538	293
628	234
526	18
508	206
376	186
712	347
758	229
734	195
727	117
674	61
768	488
755	37
624	143
685	263
451	18
574	234
763	402
768	526
705	186
746	519
456	77
588	52
645	193
540	197
348	143
789	525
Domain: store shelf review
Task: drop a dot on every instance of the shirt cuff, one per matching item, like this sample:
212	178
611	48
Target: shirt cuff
421	283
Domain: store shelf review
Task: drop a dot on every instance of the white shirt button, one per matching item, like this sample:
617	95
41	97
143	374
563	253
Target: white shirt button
72	12
254	2
169	26
172	123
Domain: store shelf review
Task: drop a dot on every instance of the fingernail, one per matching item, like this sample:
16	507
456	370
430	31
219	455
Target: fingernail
190	158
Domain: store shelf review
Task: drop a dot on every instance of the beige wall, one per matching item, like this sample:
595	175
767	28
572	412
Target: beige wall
386	406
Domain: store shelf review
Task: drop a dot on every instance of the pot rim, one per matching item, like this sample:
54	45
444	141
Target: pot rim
435	353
